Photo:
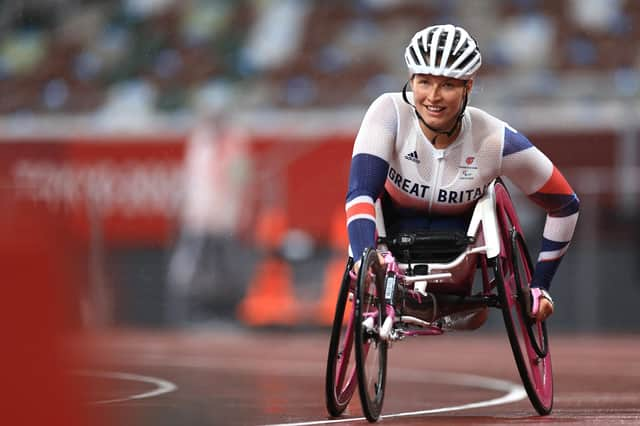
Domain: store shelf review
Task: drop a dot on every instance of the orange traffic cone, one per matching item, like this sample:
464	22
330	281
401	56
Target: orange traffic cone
270	298
332	282
271	228
338	241
338	236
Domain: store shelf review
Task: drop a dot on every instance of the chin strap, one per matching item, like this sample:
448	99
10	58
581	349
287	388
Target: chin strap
433	129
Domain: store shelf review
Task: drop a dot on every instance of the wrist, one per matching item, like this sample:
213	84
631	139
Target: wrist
545	295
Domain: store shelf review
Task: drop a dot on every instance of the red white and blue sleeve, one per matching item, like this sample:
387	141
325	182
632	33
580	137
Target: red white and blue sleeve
535	175
372	150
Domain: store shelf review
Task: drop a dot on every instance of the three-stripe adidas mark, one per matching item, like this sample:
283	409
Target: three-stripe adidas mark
412	156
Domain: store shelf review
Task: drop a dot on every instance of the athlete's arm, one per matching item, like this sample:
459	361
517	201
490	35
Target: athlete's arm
531	171
372	150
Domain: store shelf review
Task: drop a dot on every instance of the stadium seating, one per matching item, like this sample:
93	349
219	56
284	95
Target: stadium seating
76	57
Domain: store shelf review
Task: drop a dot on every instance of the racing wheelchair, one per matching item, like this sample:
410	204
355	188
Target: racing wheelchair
424	287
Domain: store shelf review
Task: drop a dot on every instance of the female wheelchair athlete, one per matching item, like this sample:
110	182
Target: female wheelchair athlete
424	285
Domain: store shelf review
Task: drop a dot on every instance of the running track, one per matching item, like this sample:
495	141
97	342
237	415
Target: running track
246	377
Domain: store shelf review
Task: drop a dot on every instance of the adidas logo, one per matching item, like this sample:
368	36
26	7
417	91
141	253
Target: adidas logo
412	156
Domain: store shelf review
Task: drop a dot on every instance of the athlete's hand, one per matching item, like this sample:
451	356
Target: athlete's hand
356	266
545	310
544	305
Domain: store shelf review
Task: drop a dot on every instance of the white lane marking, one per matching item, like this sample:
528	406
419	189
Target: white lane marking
514	393
162	386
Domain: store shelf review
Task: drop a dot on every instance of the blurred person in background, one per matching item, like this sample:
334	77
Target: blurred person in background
204	277
428	157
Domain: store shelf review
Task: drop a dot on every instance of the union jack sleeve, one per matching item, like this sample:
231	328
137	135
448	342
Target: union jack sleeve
366	182
536	176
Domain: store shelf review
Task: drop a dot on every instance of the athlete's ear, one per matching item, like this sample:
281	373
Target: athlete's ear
469	85
411	80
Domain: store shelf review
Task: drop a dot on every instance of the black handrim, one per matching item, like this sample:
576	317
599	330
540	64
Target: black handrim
519	247
514	341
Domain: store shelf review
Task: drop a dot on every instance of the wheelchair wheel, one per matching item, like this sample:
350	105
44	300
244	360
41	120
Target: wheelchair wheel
371	351
340	382
528	337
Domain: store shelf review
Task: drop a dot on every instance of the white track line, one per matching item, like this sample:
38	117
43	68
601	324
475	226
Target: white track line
162	386
514	392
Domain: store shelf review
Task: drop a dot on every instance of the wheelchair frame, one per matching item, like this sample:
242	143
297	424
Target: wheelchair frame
369	315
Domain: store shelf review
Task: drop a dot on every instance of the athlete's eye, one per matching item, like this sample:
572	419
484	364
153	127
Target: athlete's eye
427	84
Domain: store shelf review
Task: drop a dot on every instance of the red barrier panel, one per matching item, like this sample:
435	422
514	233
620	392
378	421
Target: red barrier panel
128	189
125	190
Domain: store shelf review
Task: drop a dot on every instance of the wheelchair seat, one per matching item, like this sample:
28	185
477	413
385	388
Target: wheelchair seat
435	246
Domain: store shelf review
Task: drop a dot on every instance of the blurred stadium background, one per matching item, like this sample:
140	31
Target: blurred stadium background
99	100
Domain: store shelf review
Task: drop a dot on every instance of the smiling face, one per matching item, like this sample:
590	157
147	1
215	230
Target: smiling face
438	100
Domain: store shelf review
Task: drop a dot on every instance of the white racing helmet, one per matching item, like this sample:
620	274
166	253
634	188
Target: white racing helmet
443	50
